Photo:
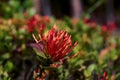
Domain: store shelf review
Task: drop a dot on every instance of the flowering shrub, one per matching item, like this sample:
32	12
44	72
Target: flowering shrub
96	56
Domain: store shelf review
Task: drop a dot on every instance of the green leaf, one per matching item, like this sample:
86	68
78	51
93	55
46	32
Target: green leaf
117	76
5	56
90	69
39	53
9	66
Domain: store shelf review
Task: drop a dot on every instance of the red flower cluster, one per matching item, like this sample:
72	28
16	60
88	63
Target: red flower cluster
86	20
108	28
55	44
104	28
37	22
89	22
32	23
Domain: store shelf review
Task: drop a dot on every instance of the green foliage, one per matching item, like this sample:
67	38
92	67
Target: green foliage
15	8
18	58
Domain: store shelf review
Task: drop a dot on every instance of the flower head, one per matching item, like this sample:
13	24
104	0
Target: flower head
109	27
86	20
37	23
90	22
31	24
112	26
104	28
56	44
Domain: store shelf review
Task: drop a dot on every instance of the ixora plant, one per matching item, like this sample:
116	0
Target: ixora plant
54	45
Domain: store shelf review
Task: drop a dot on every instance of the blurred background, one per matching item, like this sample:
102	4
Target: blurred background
101	11
95	24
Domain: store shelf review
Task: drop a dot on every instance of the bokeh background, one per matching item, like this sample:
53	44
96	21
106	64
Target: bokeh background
98	10
95	24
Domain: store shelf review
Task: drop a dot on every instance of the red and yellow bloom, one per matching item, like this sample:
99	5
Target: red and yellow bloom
56	44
